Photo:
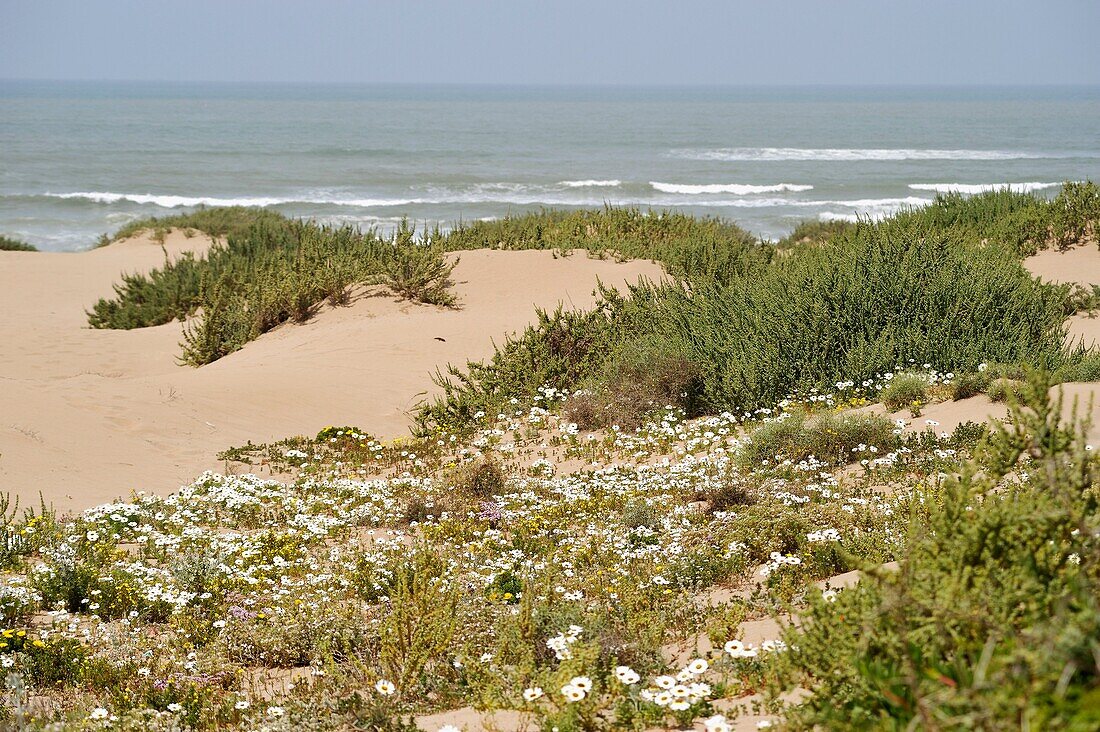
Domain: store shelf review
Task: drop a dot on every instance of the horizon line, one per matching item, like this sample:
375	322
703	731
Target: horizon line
569	85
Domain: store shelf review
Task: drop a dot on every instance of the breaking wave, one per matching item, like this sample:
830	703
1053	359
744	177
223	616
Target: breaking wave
737	189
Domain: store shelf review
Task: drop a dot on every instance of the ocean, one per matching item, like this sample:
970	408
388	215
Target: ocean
78	159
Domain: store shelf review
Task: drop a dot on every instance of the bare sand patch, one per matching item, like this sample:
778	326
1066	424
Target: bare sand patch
1080	264
89	415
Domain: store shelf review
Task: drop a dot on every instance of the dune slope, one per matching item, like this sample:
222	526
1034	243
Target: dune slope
88	415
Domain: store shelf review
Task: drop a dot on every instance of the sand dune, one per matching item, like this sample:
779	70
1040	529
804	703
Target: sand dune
88	415
1079	265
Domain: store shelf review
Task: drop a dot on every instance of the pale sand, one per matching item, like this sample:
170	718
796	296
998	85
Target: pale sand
90	415
1080	265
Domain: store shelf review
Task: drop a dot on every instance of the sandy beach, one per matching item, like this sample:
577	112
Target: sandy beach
90	415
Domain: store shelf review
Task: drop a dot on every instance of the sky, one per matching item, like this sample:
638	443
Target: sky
620	42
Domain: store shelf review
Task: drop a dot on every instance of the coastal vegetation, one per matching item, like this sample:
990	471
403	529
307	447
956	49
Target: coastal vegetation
941	285
722	498
277	271
221	221
10	244
270	270
376	582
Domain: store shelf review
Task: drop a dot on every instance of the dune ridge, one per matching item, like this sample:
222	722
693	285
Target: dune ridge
90	415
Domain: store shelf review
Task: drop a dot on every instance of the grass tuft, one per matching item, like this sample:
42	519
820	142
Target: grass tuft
10	244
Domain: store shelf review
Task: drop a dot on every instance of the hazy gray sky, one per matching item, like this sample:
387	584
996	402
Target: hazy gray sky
556	41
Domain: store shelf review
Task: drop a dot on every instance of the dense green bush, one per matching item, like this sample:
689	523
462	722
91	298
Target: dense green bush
830	438
848	309
992	620
277	271
1025	222
815	232
1084	369
702	248
217	222
9	244
969	384
419	273
904	390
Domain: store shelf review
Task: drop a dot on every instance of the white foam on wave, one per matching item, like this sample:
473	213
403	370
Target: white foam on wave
972	188
737	189
482	197
169	201
591	183
874	209
856	154
833	216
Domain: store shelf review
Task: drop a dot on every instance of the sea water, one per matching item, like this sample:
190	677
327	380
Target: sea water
78	159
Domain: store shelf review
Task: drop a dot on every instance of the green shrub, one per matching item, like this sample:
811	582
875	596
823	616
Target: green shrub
834	439
904	390
418	272
562	349
637	513
992	619
969	384
1081	299
23	533
481	479
639	385
704	248
1085	369
9	244
815	232
849	309
274	272
1076	214
1003	389
421	624
223	221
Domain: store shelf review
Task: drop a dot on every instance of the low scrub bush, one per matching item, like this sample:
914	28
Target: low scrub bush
276	271
969	384
1003	389
992	618
482	479
636	387
419	272
10	244
905	390
421	623
912	289
831	438
1084	369
815	232
1025	222
703	248
222	221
